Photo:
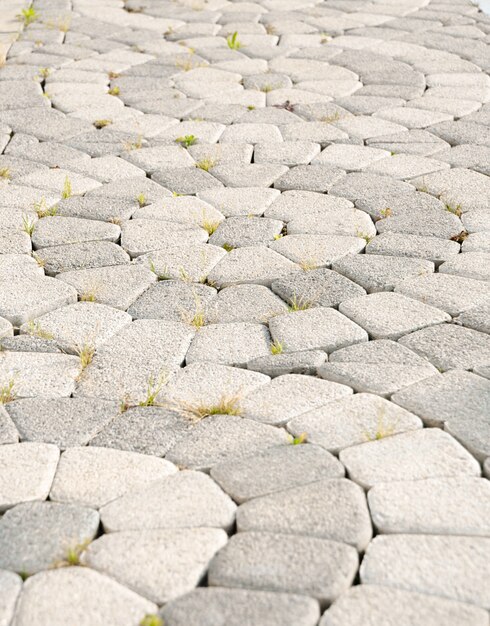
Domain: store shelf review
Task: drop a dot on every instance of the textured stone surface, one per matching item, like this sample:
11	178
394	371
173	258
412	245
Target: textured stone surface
270	561
244	263
449	567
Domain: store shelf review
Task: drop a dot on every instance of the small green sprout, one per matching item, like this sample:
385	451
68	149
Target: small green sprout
42	209
114	91
233	41
299	440
206	164
27	16
67	191
28	225
102	123
7	393
277	347
153	389
186	140
86	354
35	330
44	72
151	620
141	198
227	247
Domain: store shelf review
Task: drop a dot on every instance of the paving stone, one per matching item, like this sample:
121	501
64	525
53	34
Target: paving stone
146	429
186	499
152	159
453	294
219	438
263	473
239	200
55	231
10	585
244	231
76	256
77	325
182	209
116	472
319	178
376	605
453	396
96	208
274	365
241	607
352	223
315	329
391	315
472	265
158	564
252	264
316	567
31	374
350	421
29	472
185	180
458	186
65	422
441	506
350	157
117	286
448	567
140	356
443	224
343	516
132	189
139	236
55	529
407	245
8	431
313	250
235	343
421	454
449	346
477	317
317	287
207	385
288	153
245	303
174	301
380	273
47	598
290	395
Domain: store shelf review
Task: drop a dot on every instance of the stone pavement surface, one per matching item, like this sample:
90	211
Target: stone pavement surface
244	313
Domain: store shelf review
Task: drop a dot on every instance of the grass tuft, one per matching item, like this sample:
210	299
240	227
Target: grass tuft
66	191
35	330
151	620
153	388
114	91
28	225
5	173
233	42
7	393
277	347
226	405
86	354
186	140
27	16
298	304
102	123
206	164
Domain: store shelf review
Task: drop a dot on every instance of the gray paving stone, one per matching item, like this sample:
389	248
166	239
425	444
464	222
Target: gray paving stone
391	315
8	431
132	189
117	286
78	325
310	177
55	231
158	564
240	607
453	294
252	264
448	567
22	298
380	273
458	186
31	374
93	477
181	209
235	343
443	224
470	265
449	346
139	236
350	421
146	429
219	438
245	303
315	329
96	208
136	361
433	249
238	232
29	472
477	317
311	250
185	180
316	567
47	599
264	473
54	529
274	365
453	396
333	509
441	506
189	261
10	585
174	301
186	499
376	605
290	395
65	422
239	200
417	455
76	256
